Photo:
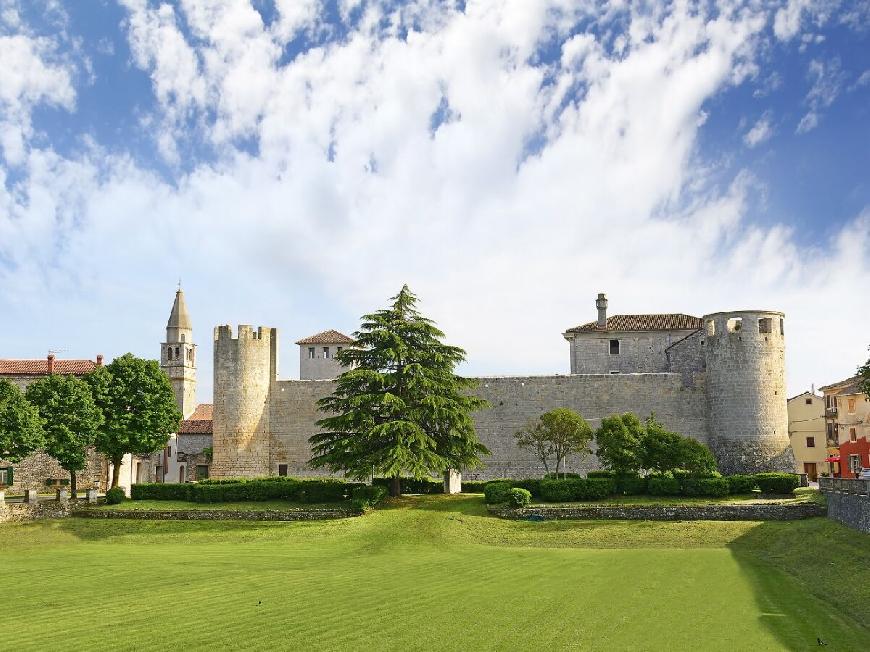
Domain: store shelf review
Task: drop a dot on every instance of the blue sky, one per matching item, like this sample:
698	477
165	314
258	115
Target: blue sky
295	162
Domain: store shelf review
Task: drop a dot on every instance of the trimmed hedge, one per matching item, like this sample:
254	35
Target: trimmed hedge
741	484
573	489
327	490
601	473
413	485
662	485
115	496
474	486
704	486
497	492
631	485
519	497
777	483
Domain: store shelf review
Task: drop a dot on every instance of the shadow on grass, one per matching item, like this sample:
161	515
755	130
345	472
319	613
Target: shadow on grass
811	580
87	529
465	504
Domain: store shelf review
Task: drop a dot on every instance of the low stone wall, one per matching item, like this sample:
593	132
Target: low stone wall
20	512
848	501
219	514
753	512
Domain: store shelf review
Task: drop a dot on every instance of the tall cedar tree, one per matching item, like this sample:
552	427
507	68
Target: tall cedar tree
20	426
138	405
70	419
399	408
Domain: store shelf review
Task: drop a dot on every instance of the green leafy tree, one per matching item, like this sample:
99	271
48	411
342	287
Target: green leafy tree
534	438
70	420
560	433
618	441
20	426
139	408
864	374
662	450
399	408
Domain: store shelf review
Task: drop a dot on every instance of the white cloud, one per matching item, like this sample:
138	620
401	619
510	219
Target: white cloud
506	220
760	132
827	81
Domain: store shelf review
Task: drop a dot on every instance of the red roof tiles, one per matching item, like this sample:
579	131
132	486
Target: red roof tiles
40	367
200	422
327	337
628	323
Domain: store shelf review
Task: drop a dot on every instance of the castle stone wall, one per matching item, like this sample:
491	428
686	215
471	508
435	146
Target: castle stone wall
686	357
642	352
513	402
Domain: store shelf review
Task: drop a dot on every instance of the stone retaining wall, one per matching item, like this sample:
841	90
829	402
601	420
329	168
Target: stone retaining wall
20	512
753	512
848	501
219	514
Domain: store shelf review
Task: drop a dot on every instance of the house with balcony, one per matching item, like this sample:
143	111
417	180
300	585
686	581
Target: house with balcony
847	426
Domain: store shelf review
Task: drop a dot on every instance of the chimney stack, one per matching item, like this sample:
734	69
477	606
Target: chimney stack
99	359
601	304
51	363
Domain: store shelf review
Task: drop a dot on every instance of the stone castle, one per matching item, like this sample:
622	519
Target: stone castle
719	378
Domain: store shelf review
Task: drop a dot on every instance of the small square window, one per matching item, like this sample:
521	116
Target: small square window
282	470
614	347
338	349
809	401
811	442
311	353
765	324
326	352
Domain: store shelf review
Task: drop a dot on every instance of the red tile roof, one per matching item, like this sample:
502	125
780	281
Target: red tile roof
40	367
200	422
628	323
327	337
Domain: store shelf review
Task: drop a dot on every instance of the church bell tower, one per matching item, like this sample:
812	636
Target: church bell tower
178	356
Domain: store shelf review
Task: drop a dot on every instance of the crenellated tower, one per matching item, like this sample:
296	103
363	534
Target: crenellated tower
178	356
744	353
244	369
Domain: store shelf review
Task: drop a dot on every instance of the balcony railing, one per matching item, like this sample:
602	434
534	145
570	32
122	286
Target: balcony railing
844	486
831	411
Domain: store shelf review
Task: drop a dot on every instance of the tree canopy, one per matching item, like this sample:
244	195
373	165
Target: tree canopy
558	433
864	374
618	440
399	408
138	405
20	426
70	419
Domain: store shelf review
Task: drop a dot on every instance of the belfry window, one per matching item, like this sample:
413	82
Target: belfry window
614	347
169	353
765	324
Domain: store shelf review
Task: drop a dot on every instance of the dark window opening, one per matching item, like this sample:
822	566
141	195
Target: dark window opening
311	353
811	442
809	401
201	471
282	470
765	324
614	347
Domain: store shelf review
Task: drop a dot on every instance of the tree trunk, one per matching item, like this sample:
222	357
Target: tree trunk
396	486
116	470
72	485
558	465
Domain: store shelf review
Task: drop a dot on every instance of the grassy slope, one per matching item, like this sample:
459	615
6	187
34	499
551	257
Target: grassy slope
440	575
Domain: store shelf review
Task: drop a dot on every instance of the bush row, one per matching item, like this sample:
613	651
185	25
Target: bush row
413	485
599	484
368	496
260	489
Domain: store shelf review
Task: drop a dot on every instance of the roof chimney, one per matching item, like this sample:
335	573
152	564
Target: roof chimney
50	363
601	304
99	359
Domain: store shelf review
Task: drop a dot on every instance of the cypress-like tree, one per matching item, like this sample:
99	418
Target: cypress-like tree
138	405
399	408
20	426
70	420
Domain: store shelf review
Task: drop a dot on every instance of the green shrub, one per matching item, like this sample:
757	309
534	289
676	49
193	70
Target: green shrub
473	486
777	483
532	485
705	487
519	497
497	492
160	491
561	476
663	485
601	473
573	489
414	485
741	484
366	496
115	496
630	485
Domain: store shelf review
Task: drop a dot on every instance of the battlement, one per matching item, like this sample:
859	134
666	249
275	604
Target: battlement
748	323
245	332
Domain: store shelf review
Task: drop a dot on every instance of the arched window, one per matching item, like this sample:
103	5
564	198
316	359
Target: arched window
169	353
176	353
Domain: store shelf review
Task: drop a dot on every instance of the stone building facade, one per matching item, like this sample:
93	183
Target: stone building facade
317	353
719	379
847	419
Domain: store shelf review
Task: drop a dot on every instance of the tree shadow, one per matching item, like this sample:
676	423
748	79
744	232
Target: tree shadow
788	565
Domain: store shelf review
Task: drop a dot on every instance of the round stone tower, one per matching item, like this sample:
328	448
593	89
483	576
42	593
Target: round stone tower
748	422
244	368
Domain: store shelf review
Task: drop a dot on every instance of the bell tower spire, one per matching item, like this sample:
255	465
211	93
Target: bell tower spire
178	355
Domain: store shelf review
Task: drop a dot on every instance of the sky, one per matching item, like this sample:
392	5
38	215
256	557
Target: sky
295	162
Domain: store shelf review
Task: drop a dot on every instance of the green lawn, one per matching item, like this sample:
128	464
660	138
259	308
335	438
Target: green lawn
181	505
434	573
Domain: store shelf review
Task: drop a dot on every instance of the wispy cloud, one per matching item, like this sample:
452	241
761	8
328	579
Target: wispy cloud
760	132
